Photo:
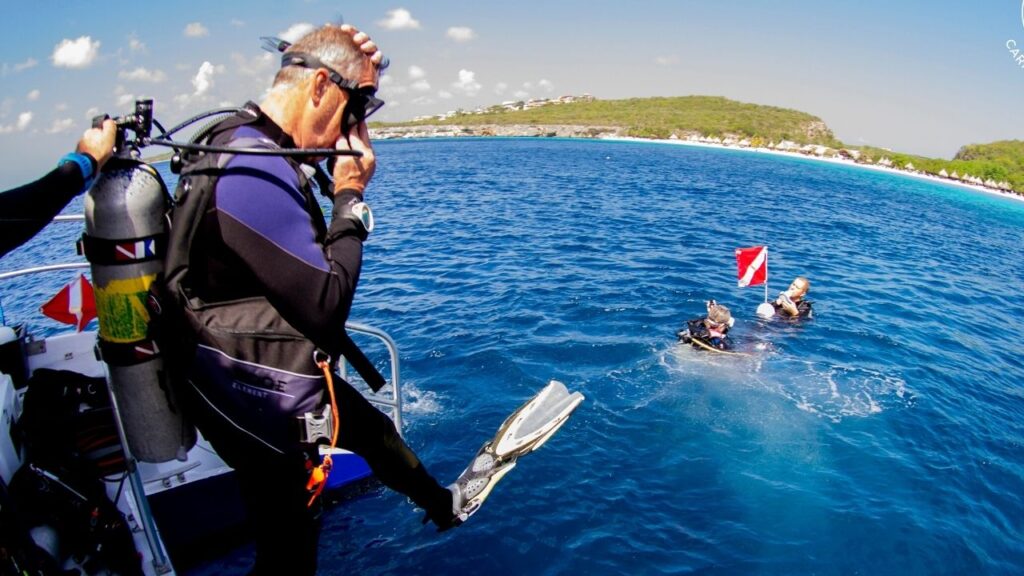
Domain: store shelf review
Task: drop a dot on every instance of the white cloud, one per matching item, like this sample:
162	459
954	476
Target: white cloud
530	87
415	72
30	63
204	79
92	113
467	83
461	33
392	90
61	107
237	23
143	75
296	31
196	30
136	45
260	66
60	125
665	60
201	82
124	100
78	53
32	96
24	119
444	94
500	88
399	19
421	85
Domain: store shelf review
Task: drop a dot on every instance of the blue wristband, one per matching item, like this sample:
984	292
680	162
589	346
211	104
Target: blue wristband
84	163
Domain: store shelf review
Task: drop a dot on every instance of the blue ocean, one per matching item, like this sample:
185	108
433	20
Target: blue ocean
884	436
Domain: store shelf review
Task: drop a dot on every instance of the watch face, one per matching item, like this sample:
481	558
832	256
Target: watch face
362	211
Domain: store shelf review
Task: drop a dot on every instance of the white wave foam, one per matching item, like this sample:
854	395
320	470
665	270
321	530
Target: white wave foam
830	391
416	401
838	391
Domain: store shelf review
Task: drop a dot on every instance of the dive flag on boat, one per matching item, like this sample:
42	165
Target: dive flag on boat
75	304
752	265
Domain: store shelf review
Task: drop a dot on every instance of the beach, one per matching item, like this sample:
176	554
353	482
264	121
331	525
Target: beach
833	160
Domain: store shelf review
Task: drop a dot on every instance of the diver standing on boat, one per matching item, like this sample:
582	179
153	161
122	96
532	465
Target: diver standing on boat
26	210
264	262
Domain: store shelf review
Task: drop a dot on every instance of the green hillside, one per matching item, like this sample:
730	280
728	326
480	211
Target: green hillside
712	116
999	161
662	117
1003	160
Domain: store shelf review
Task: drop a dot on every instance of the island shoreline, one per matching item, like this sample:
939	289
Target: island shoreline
837	161
455	133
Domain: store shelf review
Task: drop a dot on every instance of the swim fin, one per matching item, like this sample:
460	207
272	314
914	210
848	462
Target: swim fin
525	430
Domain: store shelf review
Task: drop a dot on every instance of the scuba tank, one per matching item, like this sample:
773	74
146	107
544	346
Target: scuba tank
124	241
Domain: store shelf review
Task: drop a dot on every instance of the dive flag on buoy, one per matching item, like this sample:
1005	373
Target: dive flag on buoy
75	304
752	265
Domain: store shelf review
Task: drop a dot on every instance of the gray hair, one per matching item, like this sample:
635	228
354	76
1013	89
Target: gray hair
719	314
332	46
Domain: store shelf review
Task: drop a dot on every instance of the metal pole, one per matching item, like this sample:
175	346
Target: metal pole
766	273
160	561
396	395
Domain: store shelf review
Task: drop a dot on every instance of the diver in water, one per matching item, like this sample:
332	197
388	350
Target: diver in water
710	331
791	302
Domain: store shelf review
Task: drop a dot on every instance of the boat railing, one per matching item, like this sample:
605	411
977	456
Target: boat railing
392	402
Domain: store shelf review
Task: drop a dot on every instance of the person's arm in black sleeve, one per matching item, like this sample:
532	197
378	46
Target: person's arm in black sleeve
262	217
26	210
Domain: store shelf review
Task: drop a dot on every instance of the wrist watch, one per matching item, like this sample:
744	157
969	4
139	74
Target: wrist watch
360	212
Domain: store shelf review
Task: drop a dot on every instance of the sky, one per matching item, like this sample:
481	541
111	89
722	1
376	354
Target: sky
917	76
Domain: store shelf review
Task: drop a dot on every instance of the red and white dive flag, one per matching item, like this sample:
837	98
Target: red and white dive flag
752	264
74	304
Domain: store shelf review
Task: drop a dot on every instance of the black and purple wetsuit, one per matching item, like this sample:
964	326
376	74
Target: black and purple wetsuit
264	238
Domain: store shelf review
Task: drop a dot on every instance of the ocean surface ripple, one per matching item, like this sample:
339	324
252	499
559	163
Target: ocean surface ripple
882	437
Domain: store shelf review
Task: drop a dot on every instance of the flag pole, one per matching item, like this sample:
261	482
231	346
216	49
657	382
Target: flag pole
766	273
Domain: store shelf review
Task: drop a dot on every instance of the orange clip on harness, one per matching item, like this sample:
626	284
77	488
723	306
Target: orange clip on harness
319	474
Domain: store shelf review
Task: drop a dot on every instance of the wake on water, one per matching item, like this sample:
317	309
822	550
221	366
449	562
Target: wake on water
829	391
